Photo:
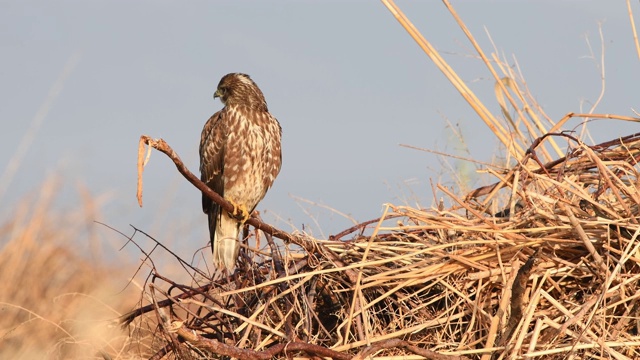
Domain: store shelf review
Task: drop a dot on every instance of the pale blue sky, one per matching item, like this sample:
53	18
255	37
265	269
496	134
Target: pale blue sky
347	83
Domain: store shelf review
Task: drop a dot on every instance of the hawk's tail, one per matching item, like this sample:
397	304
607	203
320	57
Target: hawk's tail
224	239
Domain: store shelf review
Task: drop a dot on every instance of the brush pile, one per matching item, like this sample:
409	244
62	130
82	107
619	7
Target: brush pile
555	273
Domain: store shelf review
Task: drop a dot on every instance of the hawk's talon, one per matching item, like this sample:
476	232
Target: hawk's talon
240	212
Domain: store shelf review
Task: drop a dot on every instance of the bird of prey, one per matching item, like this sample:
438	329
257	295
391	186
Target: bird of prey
240	157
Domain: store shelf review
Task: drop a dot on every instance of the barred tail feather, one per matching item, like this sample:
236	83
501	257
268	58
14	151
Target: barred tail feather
225	242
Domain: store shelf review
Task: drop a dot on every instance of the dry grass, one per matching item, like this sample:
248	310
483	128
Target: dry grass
55	301
553	275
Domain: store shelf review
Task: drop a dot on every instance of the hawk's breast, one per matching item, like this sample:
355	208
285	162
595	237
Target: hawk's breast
252	156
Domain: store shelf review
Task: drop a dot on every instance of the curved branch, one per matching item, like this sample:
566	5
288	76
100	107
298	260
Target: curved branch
161	145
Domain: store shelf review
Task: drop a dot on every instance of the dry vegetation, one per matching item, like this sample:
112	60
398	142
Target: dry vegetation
56	301
553	275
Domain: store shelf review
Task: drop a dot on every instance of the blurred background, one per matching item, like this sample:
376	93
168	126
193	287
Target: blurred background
80	81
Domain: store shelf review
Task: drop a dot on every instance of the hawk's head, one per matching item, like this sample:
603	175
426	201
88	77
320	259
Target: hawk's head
239	89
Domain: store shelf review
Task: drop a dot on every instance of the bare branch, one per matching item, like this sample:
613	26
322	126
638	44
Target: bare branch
161	145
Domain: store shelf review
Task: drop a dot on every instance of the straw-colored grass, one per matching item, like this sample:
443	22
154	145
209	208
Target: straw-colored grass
56	300
552	274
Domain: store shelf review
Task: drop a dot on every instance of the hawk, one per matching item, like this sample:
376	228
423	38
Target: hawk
240	157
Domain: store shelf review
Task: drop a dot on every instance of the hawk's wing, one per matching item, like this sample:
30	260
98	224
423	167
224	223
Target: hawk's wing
212	150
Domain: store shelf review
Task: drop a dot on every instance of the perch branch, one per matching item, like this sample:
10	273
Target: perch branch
162	146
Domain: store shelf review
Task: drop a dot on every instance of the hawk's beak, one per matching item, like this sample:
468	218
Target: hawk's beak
216	94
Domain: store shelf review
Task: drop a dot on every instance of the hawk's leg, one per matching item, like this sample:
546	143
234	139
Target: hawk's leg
240	212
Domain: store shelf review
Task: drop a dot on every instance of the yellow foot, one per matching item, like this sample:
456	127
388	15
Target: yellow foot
240	212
